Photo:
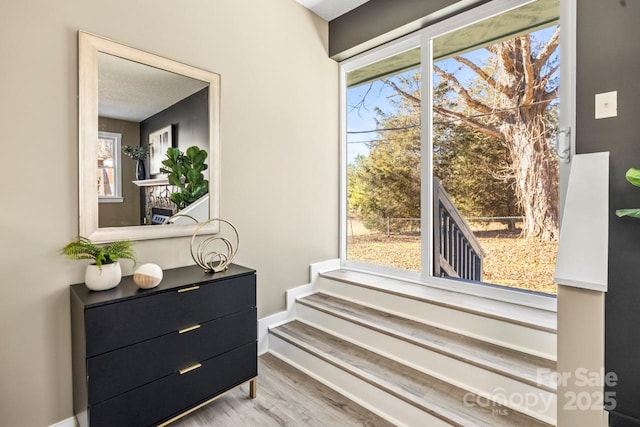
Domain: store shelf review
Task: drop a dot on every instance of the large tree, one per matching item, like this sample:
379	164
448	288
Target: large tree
512	99
491	139
386	183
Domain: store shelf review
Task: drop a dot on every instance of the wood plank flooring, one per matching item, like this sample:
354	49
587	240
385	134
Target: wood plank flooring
286	397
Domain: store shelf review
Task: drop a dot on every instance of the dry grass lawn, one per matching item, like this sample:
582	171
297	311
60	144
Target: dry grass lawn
510	260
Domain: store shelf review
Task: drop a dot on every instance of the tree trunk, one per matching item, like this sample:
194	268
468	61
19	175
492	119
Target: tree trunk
535	169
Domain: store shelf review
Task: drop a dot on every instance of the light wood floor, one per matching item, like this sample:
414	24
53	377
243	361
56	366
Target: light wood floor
286	397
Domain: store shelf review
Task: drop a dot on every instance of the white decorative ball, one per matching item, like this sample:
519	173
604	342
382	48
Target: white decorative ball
148	276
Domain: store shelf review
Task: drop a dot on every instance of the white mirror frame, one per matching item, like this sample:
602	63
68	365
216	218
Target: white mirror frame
88	47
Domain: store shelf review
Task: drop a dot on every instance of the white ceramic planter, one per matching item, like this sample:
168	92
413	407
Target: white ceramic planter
98	279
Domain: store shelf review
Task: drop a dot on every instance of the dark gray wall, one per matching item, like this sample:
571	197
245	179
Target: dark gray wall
378	17
190	120
608	59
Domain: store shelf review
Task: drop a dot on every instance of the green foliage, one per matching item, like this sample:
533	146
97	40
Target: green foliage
135	152
386	183
84	248
633	176
472	168
184	170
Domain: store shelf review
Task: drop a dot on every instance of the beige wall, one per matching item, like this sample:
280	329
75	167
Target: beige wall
279	161
580	357
127	212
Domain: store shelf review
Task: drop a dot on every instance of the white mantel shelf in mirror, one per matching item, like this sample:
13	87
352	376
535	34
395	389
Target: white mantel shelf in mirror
90	49
151	182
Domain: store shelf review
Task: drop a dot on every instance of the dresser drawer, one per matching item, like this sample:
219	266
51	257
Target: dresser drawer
112	326
169	396
118	371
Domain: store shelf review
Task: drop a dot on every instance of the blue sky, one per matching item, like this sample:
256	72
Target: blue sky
364	117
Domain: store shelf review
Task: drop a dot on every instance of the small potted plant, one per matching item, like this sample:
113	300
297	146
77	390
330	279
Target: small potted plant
105	272
139	154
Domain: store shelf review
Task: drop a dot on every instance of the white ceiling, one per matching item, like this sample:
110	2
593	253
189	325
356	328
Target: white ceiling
131	91
330	9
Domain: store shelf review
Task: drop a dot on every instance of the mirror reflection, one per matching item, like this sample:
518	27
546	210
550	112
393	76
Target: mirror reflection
149	145
142	112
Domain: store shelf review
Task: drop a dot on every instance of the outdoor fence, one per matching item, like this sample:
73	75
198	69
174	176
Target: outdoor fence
510	221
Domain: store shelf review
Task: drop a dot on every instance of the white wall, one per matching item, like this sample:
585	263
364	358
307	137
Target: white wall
279	161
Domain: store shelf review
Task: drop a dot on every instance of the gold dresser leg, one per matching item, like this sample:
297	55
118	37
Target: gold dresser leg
253	388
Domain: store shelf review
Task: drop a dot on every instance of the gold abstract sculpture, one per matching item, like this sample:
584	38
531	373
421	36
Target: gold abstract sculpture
215	253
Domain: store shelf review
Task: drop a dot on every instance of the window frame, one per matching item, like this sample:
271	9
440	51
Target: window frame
423	39
117	167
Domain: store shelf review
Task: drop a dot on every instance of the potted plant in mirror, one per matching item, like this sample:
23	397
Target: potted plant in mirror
105	272
185	171
139	154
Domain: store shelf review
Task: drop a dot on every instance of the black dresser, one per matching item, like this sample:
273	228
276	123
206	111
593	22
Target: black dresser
146	357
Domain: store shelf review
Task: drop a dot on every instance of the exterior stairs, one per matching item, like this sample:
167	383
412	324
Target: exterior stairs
422	356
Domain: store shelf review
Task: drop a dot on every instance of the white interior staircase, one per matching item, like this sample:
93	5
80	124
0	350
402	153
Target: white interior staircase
422	356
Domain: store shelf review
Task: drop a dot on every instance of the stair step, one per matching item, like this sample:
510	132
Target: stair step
531	317
529	369
429	394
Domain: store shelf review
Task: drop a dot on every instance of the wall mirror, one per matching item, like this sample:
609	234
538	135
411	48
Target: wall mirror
133	106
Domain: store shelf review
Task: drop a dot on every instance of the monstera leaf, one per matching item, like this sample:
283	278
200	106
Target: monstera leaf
633	176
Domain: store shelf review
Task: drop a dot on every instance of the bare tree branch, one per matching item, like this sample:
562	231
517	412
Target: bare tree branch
486	129
460	90
549	96
544	80
548	49
402	92
360	104
529	72
486	77
505	57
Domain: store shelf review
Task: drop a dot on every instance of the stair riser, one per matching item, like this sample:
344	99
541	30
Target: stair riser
473	378
497	331
372	398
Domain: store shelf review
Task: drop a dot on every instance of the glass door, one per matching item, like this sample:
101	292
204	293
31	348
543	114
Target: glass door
495	173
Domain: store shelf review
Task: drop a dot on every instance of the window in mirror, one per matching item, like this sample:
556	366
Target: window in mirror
109	170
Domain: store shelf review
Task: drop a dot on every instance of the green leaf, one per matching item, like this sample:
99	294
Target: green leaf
194	176
173	180
633	176
200	191
84	248
635	213
185	172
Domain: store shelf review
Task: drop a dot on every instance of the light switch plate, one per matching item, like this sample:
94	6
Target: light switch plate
606	105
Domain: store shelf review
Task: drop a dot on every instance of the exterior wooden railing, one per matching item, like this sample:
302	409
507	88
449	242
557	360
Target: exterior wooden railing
457	252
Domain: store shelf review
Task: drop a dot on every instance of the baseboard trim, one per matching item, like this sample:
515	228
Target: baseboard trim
292	294
69	422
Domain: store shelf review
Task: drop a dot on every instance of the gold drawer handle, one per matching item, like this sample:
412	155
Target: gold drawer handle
192	288
189	329
190	368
